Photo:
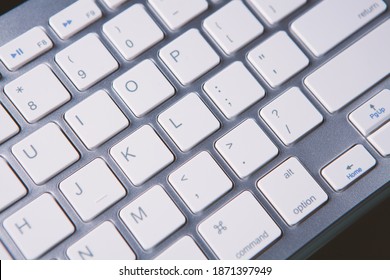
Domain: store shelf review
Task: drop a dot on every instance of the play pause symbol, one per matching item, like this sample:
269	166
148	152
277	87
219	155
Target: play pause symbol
17	52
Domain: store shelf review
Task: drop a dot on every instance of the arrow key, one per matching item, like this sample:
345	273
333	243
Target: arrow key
347	168
372	114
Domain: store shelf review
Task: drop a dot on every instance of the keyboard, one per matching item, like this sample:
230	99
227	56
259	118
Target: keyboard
200	129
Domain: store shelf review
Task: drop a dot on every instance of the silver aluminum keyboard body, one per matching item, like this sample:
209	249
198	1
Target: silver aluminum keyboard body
315	150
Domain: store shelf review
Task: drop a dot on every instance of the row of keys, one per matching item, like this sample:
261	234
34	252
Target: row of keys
79	15
94	128
80	66
35	102
134	153
275	73
144	214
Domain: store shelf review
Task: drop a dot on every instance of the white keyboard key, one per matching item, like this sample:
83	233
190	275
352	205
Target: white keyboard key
4	255
45	153
188	122
176	13
278	59
349	74
332	21
92	189
8	126
291	116
141	155
200	182
373	113
348	167
113	4
84	67
233	26
94	246
292	191
96	119
75	18
224	86
11	189
38	226
37	93
25	48
380	139
185	61
276	10
183	249
143	87
133	31
246	148
152	217
239	230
